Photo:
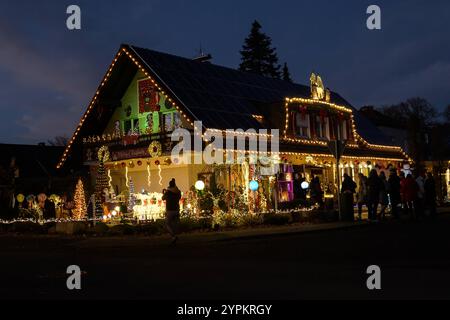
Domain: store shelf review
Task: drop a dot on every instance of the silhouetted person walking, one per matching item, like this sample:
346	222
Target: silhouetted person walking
347	190
374	185
172	196
362	193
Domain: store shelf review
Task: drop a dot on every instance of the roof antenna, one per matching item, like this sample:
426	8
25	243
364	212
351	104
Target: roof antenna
202	56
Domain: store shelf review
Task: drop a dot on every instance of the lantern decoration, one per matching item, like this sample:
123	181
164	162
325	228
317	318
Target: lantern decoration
167	161
131	164
20	198
253	185
199	185
154	149
139	163
157	162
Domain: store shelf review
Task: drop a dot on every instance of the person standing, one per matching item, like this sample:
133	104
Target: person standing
362	193
316	191
384	199
347	190
430	195
394	192
172	196
409	191
419	203
373	194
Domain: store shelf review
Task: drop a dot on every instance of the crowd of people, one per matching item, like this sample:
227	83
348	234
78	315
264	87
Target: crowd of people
414	196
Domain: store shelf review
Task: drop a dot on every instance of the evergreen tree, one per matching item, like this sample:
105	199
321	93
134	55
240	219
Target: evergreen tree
101	183
79	212
286	73
257	54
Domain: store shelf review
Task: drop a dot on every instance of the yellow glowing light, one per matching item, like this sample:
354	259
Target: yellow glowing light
160	176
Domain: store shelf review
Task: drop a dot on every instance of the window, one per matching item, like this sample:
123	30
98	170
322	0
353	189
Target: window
131	126
168	122
322	126
127	127
149	123
136	126
343	130
302	128
177	120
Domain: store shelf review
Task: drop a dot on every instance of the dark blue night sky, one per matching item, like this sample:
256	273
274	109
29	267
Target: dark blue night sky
48	74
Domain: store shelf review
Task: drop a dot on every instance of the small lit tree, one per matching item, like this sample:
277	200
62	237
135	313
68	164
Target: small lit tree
79	212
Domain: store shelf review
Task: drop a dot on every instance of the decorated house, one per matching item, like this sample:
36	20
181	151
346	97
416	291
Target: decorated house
146	95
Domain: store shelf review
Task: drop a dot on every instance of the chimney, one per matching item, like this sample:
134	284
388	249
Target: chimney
203	57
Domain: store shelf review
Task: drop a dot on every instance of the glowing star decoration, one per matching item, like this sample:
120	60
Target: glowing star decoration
305	185
199	185
160	176
253	185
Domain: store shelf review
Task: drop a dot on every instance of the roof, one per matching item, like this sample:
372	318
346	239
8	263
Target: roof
234	96
222	98
378	118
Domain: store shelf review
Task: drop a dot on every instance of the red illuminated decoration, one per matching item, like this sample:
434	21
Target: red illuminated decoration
148	96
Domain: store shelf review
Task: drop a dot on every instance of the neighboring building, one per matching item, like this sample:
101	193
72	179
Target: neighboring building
435	151
396	132
146	95
31	169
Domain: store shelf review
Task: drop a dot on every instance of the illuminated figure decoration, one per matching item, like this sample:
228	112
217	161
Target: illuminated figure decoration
317	88
318	91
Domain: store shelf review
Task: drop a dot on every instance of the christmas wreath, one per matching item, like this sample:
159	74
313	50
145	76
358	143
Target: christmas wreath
154	149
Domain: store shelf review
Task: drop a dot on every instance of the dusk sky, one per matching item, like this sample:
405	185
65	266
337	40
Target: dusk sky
49	74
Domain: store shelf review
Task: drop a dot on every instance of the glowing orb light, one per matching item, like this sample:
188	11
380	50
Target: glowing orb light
253	185
199	185
305	185
114	213
117	209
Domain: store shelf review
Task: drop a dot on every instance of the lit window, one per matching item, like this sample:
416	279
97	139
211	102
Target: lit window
322	127
302	128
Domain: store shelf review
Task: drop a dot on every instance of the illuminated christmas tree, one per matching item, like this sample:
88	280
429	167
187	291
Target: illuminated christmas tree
79	212
132	197
101	183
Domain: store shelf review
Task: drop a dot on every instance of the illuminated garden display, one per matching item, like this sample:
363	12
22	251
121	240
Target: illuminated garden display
125	137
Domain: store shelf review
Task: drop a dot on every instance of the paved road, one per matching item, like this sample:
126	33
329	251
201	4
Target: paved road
414	258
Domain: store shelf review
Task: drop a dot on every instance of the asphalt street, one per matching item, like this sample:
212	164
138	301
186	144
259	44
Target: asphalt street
414	258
